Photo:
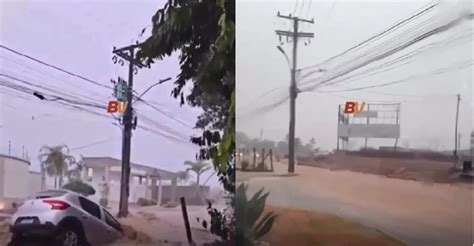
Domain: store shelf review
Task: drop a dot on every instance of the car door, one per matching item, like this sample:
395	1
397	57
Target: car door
92	221
113	227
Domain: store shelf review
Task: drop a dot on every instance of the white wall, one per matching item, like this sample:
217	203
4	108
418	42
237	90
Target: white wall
16	179
35	183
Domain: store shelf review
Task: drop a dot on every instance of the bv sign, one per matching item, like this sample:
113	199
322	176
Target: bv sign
353	108
117	107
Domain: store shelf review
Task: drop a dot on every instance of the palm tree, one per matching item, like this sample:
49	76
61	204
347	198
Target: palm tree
198	167
55	161
182	176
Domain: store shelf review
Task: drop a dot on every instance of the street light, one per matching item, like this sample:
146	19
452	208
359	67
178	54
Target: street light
155	84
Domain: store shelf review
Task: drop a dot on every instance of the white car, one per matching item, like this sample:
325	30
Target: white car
68	218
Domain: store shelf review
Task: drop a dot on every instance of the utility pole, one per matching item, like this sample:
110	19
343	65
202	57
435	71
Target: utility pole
128	54
456	128
294	35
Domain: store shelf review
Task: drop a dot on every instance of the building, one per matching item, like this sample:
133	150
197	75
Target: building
17	182
145	181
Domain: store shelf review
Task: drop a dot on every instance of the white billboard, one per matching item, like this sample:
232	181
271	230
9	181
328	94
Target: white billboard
369	131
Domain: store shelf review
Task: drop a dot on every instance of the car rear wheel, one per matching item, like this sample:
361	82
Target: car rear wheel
69	237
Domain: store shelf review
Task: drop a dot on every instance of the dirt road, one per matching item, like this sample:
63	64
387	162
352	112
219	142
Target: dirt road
413	212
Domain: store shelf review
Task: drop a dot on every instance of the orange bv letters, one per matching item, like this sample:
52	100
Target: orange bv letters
115	107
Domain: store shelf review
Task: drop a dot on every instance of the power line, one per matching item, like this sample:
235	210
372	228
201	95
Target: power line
50	76
393	27
55	67
46	88
437	72
392	64
394	50
94	143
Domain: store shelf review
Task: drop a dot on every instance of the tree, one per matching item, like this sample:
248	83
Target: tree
198	167
298	143
203	32
55	161
312	142
282	148
242	138
183	176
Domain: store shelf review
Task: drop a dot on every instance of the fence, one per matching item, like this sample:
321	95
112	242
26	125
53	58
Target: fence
251	160
14	150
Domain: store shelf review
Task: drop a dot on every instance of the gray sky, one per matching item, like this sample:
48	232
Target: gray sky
428	104
79	36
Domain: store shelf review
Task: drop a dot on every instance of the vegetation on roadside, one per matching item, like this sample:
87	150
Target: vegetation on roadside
251	225
279	148
199	167
203	33
55	162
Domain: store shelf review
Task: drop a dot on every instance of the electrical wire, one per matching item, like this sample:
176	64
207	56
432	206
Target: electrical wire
397	25
433	73
394	50
94	143
392	64
55	67
72	104
54	78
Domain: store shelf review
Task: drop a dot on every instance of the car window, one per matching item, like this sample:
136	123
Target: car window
111	221
90	207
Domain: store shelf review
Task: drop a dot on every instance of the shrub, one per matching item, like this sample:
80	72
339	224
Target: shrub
248	213
145	202
80	187
241	227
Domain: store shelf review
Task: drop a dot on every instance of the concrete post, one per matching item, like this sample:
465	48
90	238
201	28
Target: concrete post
84	173
107	173
174	183
160	191
147	188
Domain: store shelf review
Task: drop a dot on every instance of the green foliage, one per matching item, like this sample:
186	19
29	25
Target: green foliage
251	226
55	161
203	32
198	168
80	187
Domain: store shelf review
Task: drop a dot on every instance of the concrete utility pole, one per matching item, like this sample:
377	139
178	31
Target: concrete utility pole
293	89
128	54
456	128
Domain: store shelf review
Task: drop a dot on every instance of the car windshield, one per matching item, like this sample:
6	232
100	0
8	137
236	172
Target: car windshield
50	194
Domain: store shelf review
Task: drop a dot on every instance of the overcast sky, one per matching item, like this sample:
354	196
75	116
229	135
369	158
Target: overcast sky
79	36
428	104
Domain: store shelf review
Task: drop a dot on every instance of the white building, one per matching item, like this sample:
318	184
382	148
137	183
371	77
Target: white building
145	181
17	182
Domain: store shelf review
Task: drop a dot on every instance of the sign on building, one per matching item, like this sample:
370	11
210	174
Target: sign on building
371	121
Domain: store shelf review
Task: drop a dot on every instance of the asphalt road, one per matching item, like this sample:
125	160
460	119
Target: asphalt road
415	213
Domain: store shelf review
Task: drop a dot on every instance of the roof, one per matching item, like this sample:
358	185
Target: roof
97	162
